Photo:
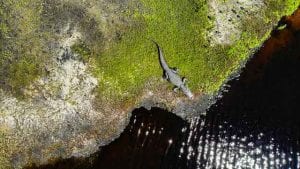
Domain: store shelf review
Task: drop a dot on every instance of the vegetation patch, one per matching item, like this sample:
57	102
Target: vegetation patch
125	59
82	50
21	44
180	27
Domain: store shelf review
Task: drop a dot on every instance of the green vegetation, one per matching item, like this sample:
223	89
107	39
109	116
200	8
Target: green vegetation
82	50
279	8
4	154
290	6
124	64
180	28
24	70
21	52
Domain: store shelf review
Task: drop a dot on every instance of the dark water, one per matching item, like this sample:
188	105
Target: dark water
254	125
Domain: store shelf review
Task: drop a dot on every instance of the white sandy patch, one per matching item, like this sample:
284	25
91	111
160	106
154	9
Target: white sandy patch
228	15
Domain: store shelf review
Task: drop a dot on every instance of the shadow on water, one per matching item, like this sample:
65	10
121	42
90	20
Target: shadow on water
254	125
145	143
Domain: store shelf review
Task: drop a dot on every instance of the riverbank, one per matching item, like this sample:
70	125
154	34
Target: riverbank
73	71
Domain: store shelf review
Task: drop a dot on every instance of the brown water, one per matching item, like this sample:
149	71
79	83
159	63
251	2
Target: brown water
253	125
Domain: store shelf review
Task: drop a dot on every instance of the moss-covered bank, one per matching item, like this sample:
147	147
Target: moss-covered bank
182	28
126	59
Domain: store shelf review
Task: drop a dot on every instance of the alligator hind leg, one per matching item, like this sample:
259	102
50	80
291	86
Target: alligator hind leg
175	89
165	76
184	80
175	70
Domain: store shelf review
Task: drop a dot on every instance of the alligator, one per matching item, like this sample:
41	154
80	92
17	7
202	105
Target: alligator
172	75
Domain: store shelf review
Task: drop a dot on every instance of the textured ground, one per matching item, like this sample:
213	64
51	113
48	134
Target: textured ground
71	71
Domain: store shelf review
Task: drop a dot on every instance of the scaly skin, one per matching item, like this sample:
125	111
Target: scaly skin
172	75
